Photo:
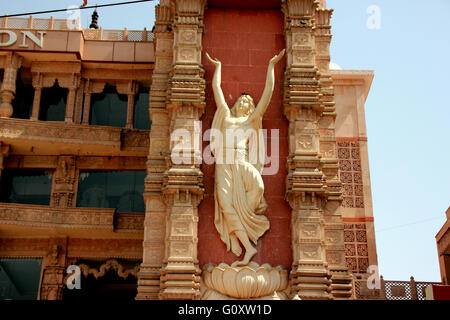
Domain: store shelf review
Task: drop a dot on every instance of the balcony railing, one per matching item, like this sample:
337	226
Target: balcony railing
70	218
74	24
113	139
392	290
118	35
40	24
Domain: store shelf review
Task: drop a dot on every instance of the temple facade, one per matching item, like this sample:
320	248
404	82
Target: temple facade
93	199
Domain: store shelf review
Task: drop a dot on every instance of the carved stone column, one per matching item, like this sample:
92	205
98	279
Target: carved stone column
79	102
53	270
90	87
64	182
37	85
8	88
72	83
130	89
183	181
341	280
306	184
156	210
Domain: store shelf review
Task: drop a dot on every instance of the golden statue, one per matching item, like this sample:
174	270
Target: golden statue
239	188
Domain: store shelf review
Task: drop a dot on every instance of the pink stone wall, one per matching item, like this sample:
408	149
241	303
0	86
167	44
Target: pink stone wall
244	41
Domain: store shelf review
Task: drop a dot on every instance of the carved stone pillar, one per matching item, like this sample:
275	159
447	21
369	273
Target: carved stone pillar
37	85
183	181
306	184
180	277
130	89
130	111
79	102
8	88
64	182
90	87
341	280
53	270
71	82
156	210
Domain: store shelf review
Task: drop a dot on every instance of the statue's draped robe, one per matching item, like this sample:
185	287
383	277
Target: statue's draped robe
235	183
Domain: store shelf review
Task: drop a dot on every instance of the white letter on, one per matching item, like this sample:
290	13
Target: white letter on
33	38
374	21
74	277
373	282
12	38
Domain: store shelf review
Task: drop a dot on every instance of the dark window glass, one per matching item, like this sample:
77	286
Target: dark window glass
23	99
53	103
112	189
109	108
26	186
141	106
19	279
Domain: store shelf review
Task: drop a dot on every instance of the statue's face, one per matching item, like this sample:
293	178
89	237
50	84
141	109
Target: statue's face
243	106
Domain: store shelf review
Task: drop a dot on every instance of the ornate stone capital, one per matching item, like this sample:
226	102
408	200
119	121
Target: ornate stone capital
12	64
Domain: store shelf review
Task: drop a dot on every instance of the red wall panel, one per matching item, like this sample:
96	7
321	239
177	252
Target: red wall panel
244	41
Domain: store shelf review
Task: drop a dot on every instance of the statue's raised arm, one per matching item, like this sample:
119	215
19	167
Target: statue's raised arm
268	89
216	84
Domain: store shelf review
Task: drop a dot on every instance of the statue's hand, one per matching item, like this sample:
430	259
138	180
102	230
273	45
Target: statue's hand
277	58
214	61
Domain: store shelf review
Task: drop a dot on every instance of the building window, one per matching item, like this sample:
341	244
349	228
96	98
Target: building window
141	107
109	108
112	189
19	279
53	103
23	99
26	186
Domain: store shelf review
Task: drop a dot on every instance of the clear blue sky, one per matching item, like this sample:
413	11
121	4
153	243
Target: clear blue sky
407	113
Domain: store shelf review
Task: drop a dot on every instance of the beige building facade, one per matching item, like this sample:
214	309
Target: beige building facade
88	137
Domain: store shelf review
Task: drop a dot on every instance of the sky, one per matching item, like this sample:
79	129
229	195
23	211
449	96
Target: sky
406	43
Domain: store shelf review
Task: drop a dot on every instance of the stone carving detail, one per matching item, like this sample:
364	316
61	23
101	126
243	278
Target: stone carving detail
135	140
350	173
356	249
64	182
239	189
249	282
53	265
56	132
149	276
313	188
129	222
110	264
52	285
105	248
44	216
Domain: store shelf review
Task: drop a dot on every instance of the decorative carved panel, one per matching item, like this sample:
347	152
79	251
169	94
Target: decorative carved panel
350	173
356	249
